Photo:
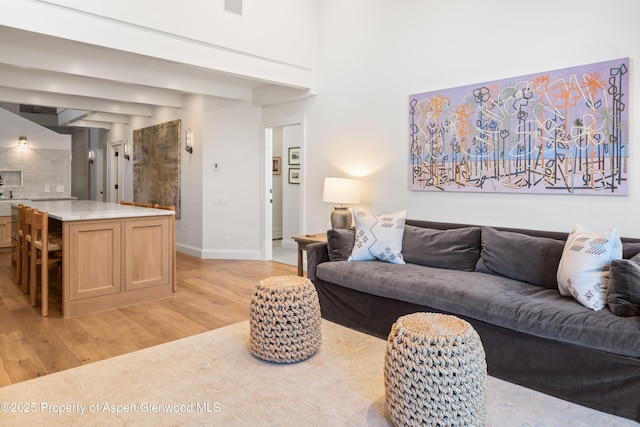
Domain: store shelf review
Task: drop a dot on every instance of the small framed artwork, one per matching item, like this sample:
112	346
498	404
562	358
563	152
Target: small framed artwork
294	175
294	155
276	165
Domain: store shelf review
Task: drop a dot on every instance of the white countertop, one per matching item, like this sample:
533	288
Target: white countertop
77	210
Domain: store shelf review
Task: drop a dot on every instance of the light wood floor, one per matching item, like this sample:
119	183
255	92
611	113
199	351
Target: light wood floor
211	294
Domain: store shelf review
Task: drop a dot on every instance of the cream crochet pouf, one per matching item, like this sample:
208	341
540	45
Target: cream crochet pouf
435	372
285	319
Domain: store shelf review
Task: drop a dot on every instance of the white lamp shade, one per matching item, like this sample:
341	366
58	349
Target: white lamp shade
341	190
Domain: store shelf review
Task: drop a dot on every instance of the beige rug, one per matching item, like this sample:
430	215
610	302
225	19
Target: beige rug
212	380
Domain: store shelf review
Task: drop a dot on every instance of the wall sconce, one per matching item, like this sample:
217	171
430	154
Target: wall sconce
92	156
341	191
126	151
23	142
188	141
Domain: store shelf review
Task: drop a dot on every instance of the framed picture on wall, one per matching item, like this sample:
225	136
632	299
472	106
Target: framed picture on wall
276	165
294	155
294	175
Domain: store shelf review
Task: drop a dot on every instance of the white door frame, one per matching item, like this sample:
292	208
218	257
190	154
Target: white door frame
115	170
266	239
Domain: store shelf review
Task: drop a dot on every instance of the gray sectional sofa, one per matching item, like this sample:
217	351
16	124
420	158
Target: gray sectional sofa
503	281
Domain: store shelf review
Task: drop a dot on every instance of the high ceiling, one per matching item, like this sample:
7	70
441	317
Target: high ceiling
89	86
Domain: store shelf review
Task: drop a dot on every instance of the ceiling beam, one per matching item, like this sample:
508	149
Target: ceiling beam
75	102
91	124
108	117
83	86
73	58
68	115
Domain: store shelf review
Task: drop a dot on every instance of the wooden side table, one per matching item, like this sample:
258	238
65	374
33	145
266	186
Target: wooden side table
303	241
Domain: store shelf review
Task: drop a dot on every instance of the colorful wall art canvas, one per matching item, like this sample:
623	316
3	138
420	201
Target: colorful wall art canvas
555	132
156	165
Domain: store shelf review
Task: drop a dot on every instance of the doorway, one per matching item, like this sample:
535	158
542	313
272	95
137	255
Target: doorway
283	210
115	172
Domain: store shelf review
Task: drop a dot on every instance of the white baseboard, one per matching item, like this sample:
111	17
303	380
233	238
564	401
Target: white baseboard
230	254
276	233
189	250
217	253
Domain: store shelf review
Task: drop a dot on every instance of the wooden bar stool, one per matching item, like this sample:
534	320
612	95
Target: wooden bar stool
42	246
124	202
173	243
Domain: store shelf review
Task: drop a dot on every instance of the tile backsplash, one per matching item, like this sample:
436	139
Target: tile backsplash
40	169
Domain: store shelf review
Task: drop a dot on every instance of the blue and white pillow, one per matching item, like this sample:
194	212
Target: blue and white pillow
378	236
583	272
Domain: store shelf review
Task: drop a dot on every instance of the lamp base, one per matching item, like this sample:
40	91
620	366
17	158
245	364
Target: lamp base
341	218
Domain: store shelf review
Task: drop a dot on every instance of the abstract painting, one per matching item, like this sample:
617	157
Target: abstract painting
156	165
555	132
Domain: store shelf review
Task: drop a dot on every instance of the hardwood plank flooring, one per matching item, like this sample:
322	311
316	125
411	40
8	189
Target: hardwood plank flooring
211	294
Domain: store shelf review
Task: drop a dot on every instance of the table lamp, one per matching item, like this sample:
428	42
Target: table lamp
341	191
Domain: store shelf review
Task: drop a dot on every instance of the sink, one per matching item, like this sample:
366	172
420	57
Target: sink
5	205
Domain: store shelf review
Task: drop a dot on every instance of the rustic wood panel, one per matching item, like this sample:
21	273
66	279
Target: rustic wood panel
156	164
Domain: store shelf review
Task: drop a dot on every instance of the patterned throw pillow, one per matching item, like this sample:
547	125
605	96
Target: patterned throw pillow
378	236
583	272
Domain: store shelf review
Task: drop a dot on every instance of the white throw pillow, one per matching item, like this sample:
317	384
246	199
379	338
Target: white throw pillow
583	272
378	236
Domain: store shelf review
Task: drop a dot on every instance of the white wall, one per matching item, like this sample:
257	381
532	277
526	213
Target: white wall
375	53
251	32
231	196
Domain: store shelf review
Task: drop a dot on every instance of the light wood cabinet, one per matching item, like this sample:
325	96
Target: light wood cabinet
95	255
5	231
115	263
146	268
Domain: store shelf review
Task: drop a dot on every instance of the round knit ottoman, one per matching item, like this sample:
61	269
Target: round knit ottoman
435	372
285	319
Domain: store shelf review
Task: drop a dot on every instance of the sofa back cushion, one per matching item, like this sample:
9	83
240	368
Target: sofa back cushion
520	256
456	249
340	243
623	292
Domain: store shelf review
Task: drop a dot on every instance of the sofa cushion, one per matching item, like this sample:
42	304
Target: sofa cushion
378	236
629	250
583	272
498	300
456	249
623	292
340	243
520	256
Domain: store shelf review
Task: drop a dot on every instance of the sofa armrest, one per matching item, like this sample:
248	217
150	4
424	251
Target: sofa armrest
317	253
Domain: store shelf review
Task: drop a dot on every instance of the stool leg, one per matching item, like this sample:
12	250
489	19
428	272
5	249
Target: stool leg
19	261
44	279
33	285
25	267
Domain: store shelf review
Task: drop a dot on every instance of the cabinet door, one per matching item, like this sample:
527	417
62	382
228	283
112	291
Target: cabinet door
5	231
95	256
147	253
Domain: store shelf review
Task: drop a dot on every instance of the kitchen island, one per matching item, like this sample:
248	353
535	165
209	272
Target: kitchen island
113	255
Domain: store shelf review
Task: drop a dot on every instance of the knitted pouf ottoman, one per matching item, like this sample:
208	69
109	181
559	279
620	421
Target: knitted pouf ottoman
285	319
435	372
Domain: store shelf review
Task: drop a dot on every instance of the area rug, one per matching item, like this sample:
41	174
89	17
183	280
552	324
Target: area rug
211	379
